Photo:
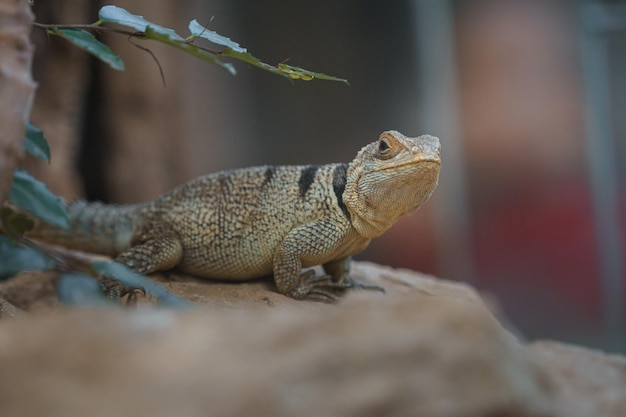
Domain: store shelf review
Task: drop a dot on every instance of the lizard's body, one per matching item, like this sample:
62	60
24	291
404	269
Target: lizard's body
250	222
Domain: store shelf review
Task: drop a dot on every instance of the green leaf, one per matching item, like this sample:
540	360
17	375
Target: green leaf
115	14
16	259
86	41
190	49
306	75
79	289
283	70
252	60
132	279
199	31
35	143
14	224
33	196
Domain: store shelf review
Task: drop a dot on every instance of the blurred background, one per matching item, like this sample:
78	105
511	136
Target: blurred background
525	95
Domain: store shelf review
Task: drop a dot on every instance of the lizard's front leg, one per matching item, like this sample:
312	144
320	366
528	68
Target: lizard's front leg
312	241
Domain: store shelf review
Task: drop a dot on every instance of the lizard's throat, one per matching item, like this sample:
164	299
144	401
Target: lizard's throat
376	206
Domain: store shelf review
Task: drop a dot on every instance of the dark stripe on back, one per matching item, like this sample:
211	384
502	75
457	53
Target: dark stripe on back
224	185
268	175
339	185
307	175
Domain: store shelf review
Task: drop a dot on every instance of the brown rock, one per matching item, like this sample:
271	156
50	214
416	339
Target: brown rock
35	292
31	291
433	352
427	348
586	382
8	310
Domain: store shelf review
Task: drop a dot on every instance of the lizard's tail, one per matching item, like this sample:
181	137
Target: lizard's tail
94	227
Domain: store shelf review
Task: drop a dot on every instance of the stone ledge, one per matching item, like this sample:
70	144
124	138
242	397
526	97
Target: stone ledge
428	347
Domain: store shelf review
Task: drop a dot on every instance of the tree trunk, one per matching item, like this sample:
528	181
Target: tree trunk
16	85
62	71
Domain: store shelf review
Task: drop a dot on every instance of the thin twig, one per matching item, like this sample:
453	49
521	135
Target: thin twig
91	26
153	57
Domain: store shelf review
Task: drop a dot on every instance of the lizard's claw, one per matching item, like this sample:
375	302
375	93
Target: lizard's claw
115	290
131	300
348	282
322	288
316	288
322	296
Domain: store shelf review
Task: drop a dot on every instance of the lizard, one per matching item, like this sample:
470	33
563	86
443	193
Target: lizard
252	222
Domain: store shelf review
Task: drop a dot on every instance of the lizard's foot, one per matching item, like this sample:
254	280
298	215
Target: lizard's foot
115	290
339	269
348	282
316	288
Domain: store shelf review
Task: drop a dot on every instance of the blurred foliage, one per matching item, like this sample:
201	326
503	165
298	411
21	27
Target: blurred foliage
16	258
78	289
35	143
33	196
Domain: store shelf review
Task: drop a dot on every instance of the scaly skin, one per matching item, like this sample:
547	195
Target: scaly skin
251	222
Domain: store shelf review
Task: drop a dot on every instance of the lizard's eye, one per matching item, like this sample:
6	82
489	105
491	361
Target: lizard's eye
387	147
383	146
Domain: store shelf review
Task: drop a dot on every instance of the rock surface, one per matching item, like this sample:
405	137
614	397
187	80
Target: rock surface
427	348
586	382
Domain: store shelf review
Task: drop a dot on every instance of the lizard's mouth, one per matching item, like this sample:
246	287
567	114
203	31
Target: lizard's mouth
427	161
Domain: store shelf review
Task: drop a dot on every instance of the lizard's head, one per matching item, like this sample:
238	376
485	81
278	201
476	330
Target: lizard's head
389	179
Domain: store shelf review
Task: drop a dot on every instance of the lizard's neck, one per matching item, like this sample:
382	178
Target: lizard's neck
376	199
369	217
